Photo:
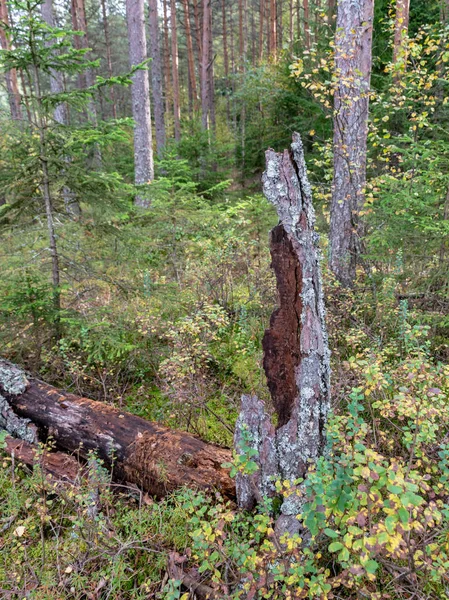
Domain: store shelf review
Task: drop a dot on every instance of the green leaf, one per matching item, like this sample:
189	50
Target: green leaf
331	533
335	546
371	566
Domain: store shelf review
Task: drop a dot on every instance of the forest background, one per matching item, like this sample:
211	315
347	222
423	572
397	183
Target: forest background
135	270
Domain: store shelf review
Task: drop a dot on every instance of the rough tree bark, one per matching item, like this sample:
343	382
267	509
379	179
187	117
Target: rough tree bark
146	454
296	353
11	76
205	67
156	77
353	40
140	93
107	39
175	71
190	55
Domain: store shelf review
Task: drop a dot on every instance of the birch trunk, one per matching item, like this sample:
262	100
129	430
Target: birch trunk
140	93
353	41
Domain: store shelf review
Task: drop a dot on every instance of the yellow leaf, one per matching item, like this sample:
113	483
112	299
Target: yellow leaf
19	531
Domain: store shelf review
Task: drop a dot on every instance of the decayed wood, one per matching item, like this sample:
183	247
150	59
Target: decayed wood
146	454
61	466
296	353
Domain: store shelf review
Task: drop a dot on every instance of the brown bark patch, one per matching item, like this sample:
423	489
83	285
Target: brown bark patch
281	342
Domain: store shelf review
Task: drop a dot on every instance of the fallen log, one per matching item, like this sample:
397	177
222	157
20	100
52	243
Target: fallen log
62	467
139	452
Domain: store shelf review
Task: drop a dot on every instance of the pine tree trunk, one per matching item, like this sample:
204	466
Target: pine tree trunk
175	71
205	67
140	93
10	76
81	42
261	26
400	34
353	41
190	54
225	56
107	39
211	74
273	31
167	69
156	77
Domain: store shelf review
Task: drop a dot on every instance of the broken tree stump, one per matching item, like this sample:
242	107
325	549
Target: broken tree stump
146	454
296	353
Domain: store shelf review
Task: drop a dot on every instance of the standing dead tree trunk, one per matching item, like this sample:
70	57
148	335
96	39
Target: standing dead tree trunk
296	353
139	452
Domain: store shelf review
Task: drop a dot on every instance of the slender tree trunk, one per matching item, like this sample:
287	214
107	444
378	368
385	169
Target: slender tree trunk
167	69
175	71
205	67
353	43
211	74
140	92
261	26
107	39
400	34
11	76
280	24
291	21
241	37
253	35
198	30
190	55
156	77
273	30
43	153
306	24
225	56
80	24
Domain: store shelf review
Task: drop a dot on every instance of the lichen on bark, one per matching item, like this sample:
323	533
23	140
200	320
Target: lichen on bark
13	382
296	352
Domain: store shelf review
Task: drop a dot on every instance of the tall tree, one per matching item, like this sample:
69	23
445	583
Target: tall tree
205	67
167	70
11	76
261	26
107	39
306	24
353	42
211	59
175	71
156	77
400	32
190	55
140	92
273	28
79	23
